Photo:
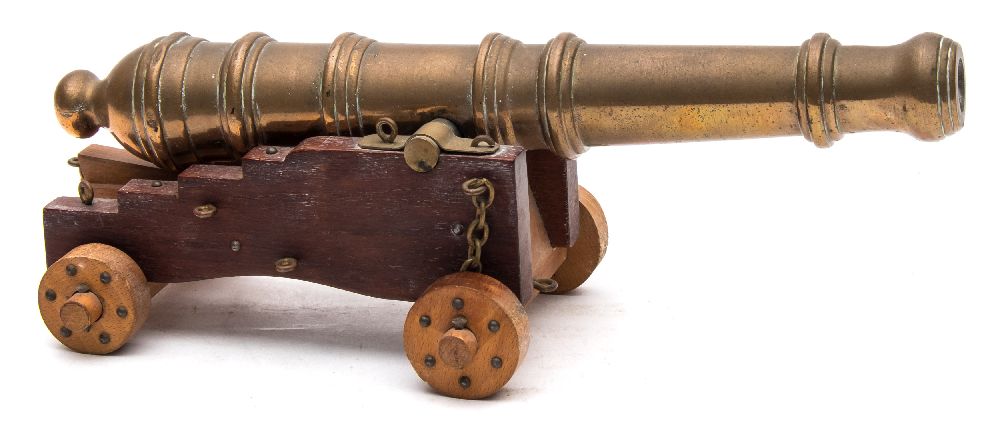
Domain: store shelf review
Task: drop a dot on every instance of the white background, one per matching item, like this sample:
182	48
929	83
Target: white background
758	290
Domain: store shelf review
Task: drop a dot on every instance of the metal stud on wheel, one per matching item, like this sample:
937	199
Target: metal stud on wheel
466	335
94	298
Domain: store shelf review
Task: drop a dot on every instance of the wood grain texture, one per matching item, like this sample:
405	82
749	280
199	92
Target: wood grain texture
545	258
81	310
588	251
554	185
123	292
457	347
498	351
107	169
356	219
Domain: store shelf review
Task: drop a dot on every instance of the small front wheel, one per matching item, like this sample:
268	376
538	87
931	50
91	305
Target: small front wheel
94	299
466	335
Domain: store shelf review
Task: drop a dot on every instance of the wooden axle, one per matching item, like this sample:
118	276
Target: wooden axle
457	347
81	310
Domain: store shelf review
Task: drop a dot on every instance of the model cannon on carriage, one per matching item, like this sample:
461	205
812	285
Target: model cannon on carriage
438	174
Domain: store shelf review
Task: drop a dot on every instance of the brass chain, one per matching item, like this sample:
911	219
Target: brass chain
545	285
478	232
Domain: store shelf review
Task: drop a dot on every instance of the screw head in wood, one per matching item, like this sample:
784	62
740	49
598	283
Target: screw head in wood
464	382
65	332
122	311
458	304
105	277
205	211
285	264
429	361
104	338
496	362
71	270
156	184
425	321
493	325
271	150
235	245
50	295
457	228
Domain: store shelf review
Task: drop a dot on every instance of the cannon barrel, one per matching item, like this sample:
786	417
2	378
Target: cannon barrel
181	100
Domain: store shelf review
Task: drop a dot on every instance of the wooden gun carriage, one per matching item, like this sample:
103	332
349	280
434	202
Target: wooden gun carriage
330	212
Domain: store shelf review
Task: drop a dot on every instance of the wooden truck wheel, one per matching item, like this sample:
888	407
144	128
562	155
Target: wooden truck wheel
588	251
94	298
466	335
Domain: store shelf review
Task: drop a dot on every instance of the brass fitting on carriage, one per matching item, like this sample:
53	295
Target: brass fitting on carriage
181	100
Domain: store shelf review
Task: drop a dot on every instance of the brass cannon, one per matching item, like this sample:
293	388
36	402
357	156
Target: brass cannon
329	136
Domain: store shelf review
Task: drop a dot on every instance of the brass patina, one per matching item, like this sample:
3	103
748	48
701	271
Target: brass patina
181	100
422	150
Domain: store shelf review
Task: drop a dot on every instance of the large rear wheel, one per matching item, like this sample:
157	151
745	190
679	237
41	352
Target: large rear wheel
588	251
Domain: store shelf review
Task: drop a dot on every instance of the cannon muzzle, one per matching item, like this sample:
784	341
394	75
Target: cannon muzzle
181	100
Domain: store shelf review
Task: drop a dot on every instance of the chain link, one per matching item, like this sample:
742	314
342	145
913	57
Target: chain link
545	285
478	232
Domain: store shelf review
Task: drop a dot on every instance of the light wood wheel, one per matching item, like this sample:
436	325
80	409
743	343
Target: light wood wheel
466	335
588	251
94	298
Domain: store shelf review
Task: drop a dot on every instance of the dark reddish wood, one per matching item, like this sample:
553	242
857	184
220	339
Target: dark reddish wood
554	185
356	219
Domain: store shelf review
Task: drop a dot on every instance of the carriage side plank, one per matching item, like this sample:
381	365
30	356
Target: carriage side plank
356	219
